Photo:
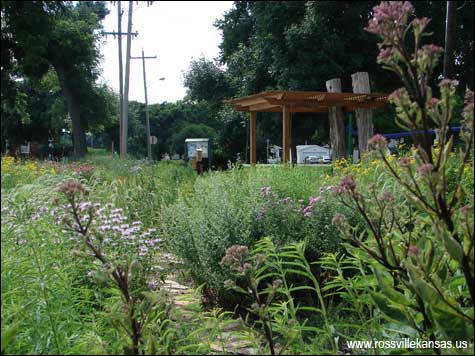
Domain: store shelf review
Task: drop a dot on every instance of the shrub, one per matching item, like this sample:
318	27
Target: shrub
226	209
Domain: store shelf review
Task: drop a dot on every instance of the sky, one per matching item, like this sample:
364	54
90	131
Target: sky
174	31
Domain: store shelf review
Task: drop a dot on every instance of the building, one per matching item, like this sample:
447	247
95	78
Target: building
306	151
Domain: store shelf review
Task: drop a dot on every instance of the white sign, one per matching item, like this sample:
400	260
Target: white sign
193	146
153	140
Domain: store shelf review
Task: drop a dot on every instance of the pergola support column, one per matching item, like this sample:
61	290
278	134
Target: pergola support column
364	117
252	137
337	125
285	133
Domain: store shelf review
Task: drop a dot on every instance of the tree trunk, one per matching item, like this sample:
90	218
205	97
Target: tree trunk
364	117
337	125
449	40
74	109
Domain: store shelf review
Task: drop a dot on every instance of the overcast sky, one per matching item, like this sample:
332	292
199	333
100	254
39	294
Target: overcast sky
174	31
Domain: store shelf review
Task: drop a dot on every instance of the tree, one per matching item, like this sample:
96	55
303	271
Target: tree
297	45
44	34
206	81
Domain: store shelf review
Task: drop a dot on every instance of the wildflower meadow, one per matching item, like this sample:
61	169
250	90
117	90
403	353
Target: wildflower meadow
107	255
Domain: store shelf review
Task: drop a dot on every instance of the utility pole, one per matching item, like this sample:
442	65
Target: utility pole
125	107
121	74
147	118
119	35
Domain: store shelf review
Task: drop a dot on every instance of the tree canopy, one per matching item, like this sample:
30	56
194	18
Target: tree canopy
40	36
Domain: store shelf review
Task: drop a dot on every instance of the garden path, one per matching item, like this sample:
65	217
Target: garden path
230	334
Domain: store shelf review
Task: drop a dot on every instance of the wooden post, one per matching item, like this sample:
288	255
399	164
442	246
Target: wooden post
199	161
364	117
285	133
252	136
293	139
337	125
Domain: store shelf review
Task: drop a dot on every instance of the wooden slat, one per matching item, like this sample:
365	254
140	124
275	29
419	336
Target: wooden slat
272	101
262	107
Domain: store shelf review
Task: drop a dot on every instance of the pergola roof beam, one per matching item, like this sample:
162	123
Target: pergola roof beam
308	101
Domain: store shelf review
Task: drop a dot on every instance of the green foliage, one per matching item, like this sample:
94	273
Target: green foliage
60	36
206	81
299	45
421	252
225	209
266	276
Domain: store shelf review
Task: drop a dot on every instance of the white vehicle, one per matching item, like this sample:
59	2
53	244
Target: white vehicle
324	159
312	159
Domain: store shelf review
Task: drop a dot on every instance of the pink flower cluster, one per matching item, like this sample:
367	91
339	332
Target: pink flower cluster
293	206
377	142
347	185
308	210
390	19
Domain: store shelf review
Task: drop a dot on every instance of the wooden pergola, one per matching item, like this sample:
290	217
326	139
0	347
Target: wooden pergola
288	102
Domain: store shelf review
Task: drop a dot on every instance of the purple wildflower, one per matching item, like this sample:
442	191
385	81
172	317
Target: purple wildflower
152	285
